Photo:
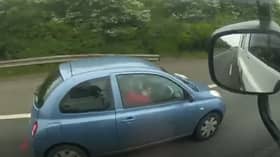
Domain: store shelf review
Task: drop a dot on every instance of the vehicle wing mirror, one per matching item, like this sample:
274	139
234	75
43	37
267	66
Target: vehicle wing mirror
246	59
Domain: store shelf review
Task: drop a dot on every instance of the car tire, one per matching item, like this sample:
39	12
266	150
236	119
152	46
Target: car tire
66	151
207	126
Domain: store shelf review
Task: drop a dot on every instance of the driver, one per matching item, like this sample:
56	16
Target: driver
135	96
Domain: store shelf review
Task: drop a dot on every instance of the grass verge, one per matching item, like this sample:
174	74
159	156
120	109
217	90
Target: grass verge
187	55
26	70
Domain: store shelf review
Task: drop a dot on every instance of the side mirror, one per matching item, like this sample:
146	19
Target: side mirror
245	58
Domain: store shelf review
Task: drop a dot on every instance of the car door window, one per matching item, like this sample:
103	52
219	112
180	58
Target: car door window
93	95
266	48
257	45
147	89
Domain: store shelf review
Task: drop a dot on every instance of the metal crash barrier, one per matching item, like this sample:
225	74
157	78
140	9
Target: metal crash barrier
66	58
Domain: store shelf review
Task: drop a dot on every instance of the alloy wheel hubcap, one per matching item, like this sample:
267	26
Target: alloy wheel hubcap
67	153
209	127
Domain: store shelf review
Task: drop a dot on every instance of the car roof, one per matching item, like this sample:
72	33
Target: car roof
86	65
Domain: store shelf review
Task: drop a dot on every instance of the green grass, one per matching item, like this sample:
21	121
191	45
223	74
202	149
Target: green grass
26	70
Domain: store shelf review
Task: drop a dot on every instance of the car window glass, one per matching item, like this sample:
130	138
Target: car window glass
52	81
266	48
93	95
257	44
147	89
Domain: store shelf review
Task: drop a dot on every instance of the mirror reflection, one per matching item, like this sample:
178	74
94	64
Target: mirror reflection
248	62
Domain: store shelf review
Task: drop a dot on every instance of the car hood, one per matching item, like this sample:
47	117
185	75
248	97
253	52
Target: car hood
202	90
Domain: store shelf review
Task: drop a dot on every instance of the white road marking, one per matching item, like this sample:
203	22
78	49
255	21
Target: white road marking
230	70
15	116
212	86
27	115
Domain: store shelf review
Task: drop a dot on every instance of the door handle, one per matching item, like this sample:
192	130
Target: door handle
128	119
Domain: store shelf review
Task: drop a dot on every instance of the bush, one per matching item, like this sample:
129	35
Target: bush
195	36
32	28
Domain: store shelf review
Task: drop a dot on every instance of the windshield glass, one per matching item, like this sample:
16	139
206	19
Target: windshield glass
52	81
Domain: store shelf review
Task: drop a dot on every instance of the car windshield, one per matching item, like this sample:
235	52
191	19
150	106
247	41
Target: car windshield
52	81
105	106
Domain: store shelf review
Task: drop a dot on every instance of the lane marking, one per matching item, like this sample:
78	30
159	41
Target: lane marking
230	70
28	115
15	116
212	86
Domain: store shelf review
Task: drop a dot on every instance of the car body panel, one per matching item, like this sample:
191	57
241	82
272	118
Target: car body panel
256	75
136	126
93	130
65	70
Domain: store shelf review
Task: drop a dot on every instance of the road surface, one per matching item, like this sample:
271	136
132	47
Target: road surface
226	68
242	133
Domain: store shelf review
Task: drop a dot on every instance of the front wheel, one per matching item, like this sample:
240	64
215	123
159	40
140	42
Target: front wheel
207	126
66	151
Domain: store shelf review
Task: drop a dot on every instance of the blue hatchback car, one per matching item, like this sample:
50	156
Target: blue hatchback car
92	107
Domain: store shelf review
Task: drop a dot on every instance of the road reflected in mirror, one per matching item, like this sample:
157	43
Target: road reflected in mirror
248	62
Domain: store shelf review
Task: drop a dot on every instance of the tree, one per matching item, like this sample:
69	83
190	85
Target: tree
22	20
192	10
111	17
206	10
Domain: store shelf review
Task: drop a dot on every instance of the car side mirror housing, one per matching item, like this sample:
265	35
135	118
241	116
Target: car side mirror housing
245	57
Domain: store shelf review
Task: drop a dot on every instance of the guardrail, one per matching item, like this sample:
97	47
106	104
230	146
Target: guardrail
66	58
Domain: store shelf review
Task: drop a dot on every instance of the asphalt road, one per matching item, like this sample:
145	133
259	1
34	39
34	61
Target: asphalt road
241	134
226	68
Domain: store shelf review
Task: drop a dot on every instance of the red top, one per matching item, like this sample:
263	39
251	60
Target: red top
133	98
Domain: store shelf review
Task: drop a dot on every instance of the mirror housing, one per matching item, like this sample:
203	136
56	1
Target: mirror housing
240	28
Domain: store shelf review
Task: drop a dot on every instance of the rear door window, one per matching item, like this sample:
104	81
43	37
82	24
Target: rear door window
89	96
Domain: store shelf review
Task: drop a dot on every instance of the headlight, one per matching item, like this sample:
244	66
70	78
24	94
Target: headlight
215	93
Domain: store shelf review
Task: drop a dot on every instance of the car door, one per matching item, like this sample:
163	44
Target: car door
89	116
255	70
143	122
244	63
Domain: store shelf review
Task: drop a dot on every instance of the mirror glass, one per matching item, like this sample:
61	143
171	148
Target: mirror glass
248	62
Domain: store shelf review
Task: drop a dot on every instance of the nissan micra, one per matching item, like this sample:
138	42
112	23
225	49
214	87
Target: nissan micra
92	107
